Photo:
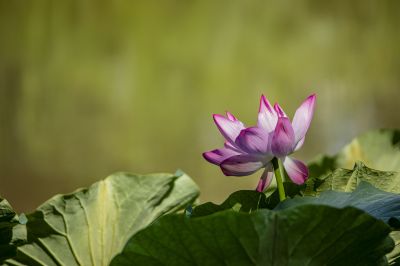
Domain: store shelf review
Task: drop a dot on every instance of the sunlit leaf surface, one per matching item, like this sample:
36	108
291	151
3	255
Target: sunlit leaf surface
90	226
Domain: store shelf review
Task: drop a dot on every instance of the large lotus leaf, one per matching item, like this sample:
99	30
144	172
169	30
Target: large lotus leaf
90	226
380	204
12	230
304	235
379	149
347	180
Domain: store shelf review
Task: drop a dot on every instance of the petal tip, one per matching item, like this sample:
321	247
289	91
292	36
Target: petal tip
231	116
312	97
261	106
264	104
310	101
208	157
263	99
279	110
216	116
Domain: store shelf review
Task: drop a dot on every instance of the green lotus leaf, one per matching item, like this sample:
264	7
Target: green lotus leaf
384	199
91	226
303	235
380	204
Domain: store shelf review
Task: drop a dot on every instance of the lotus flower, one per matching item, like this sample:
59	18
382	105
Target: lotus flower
247	150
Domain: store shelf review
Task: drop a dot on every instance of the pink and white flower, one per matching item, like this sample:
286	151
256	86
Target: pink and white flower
247	150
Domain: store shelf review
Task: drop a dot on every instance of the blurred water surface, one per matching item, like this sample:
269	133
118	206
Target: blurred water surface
88	88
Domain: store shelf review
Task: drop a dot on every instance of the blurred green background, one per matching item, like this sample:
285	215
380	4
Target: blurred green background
88	88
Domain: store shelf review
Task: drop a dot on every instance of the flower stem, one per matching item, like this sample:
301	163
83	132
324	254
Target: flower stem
278	176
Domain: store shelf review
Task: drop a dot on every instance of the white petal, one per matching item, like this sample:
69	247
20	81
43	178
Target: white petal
302	118
267	117
228	128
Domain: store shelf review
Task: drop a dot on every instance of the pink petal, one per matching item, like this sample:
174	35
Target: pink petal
279	110
283	138
228	128
296	170
255	140
231	116
267	117
302	118
219	155
266	178
241	165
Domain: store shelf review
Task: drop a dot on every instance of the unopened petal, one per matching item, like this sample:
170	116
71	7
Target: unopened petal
219	155
241	165
283	138
296	170
266	178
255	140
267	117
302	118
228	128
